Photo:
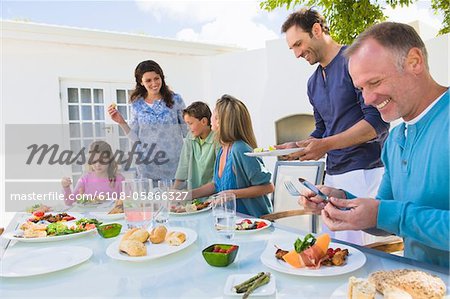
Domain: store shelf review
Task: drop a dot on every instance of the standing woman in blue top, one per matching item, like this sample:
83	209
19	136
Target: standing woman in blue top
156	127
235	172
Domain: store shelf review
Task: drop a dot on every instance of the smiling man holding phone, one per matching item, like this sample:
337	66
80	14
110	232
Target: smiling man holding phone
388	62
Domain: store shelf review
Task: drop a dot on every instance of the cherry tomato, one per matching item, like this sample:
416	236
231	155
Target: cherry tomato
38	214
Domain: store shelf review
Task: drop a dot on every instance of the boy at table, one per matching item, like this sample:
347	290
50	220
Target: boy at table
388	62
198	154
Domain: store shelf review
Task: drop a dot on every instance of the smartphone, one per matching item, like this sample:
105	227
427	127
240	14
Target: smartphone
313	188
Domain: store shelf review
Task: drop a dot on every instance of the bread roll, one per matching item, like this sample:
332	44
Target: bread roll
158	234
359	288
128	233
133	248
176	238
416	283
137	234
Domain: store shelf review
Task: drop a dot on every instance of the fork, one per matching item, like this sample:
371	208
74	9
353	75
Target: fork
291	188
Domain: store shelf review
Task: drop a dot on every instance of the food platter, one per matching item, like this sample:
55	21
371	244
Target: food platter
193	212
355	260
18	235
255	230
280	152
154	251
43	260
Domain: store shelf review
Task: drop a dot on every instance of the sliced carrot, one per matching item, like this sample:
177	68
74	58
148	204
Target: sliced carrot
322	242
293	259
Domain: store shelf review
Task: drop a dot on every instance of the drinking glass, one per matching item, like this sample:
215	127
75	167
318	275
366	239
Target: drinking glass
161	200
224	212
138	208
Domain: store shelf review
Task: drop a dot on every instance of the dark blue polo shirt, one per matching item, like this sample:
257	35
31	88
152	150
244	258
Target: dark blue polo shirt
338	105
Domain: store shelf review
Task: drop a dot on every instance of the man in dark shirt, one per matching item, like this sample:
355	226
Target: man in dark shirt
348	131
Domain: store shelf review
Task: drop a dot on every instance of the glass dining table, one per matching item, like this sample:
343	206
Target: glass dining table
185	273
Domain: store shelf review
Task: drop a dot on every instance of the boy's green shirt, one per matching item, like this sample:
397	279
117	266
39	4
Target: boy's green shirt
197	160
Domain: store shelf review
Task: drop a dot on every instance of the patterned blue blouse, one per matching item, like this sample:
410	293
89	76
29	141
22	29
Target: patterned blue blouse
161	131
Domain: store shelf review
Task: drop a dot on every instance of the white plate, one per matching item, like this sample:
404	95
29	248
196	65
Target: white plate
106	216
43	260
280	152
265	290
10	236
355	260
154	251
249	231
191	213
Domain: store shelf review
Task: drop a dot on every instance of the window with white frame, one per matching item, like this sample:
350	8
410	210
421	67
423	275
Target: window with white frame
84	109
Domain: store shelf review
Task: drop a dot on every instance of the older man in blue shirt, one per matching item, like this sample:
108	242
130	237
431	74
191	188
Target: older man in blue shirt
388	62
348	131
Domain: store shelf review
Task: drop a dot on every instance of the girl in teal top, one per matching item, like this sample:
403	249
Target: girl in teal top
235	172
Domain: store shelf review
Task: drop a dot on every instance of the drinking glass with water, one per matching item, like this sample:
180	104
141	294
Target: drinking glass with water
224	212
162	199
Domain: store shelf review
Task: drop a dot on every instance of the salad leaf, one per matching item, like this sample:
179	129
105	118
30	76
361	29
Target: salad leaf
56	229
197	202
300	245
84	221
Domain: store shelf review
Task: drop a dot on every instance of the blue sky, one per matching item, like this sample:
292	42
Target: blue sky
205	20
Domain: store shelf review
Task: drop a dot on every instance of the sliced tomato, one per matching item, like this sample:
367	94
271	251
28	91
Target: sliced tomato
260	224
89	226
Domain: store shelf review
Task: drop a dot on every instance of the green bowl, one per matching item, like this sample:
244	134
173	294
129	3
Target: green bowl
110	230
220	259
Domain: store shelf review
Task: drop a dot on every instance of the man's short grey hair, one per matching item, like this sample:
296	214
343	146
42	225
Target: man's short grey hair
397	37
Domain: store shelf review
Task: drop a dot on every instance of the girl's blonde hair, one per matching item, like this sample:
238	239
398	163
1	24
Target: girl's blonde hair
235	122
106	154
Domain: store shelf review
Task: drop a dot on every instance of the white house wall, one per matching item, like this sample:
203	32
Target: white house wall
32	70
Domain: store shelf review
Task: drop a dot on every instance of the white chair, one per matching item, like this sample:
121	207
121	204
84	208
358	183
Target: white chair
285	205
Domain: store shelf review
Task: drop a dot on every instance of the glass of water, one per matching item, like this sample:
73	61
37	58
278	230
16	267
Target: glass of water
162	199
224	212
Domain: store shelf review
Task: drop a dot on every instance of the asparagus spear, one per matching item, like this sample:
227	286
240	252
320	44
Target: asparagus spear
242	287
259	282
